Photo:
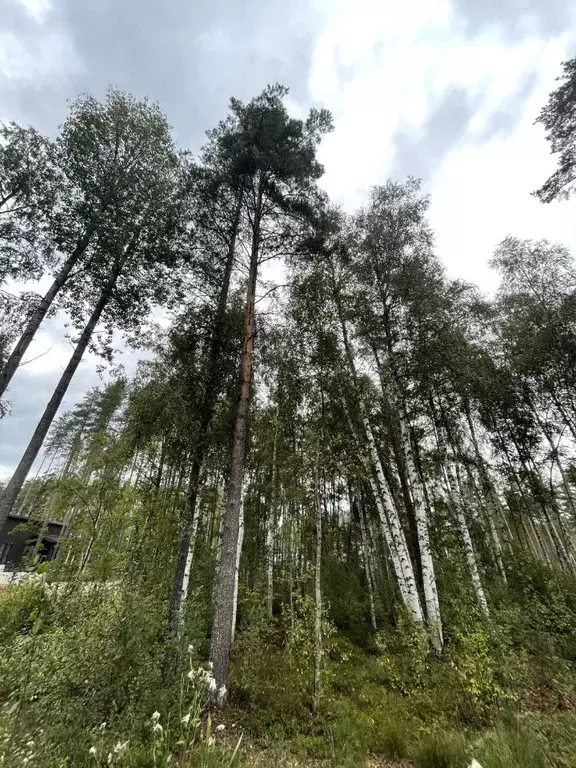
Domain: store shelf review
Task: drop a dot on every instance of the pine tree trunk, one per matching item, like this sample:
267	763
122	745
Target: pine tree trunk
15	358
13	488
221	640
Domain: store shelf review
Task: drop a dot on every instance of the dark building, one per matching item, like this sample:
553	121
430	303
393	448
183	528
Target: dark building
21	535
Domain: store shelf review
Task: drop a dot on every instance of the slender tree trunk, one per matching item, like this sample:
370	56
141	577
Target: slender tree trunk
292	557
456	503
15	358
270	526
187	571
556	459
428	574
14	486
466	539
382	495
221	640
396	530
318	595
210	394
391	527
237	563
365	552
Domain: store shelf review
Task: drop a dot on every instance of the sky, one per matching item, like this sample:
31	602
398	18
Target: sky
446	90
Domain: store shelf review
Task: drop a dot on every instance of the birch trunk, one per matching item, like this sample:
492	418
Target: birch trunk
466	540
556	459
365	553
187	571
408	587
395	527
237	565
428	573
318	596
270	526
456	504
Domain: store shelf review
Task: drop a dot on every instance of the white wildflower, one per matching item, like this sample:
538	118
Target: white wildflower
186	719
109	758
92	751
157	728
190	649
212	687
102	726
120	747
221	695
211	741
210	666
220	728
30	744
191	675
155	716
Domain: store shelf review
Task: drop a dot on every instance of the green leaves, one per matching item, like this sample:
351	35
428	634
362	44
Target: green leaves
558	117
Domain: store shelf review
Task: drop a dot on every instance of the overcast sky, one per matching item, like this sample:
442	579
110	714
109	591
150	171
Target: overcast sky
445	90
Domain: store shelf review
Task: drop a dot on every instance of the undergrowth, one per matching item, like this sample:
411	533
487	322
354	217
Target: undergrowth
83	683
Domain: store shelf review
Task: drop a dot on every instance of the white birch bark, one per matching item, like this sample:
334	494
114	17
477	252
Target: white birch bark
498	552
365	554
270	525
237	566
414	610
466	539
428	574
318	597
539	550
187	570
400	548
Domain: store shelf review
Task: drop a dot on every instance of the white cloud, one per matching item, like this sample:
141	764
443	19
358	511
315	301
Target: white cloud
42	55
482	191
38	10
382	67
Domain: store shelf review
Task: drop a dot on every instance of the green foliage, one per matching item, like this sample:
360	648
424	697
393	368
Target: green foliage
273	666
80	667
403	654
22	609
441	749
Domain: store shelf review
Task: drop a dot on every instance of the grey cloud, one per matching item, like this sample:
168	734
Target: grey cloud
22	97
517	18
189	56
506	117
419	154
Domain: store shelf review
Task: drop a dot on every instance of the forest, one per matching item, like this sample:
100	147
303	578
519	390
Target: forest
331	519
